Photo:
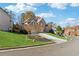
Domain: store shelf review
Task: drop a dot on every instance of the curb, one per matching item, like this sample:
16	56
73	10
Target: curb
27	47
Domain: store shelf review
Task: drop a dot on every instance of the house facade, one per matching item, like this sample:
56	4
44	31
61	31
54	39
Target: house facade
5	20
72	31
50	27
36	25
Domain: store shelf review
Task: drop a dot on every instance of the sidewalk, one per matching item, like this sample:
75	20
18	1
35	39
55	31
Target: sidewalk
57	40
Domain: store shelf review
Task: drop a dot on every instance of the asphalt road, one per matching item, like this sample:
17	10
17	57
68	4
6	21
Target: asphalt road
70	48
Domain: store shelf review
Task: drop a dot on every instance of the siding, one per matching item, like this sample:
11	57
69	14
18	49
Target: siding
4	20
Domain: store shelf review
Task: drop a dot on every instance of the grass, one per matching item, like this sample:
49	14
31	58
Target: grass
10	40
61	37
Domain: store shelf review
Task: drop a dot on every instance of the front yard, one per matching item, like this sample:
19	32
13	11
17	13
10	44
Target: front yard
11	40
61	37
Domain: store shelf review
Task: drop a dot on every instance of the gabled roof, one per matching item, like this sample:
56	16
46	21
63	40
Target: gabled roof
38	19
5	11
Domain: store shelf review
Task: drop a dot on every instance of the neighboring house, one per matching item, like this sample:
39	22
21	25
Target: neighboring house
5	20
72	31
50	27
36	25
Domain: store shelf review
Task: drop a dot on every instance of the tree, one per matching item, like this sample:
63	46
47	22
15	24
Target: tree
59	30
29	15
16	27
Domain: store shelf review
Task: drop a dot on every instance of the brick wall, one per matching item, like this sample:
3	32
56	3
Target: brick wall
72	31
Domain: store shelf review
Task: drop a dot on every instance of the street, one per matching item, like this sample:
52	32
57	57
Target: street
70	48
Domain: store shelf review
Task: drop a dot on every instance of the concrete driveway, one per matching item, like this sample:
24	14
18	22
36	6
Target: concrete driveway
55	39
70	48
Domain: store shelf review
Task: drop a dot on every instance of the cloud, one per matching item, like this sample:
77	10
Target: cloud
74	4
69	22
31	4
46	15
35	4
58	5
62	6
20	7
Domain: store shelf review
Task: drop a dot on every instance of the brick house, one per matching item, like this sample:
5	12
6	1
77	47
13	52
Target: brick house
35	25
50	27
72	31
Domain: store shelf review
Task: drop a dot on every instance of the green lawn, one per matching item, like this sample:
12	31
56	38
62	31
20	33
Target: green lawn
8	40
61	37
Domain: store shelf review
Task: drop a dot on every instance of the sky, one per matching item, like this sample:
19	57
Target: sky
63	14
